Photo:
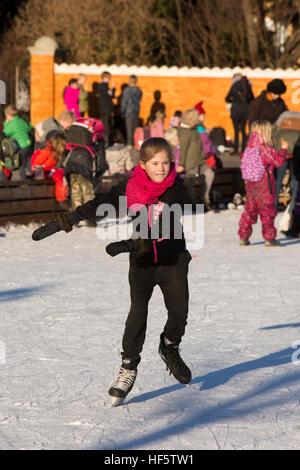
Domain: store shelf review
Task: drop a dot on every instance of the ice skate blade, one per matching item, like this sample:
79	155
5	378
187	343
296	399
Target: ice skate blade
117	401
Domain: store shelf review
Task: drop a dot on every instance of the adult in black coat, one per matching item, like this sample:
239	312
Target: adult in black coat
268	105
239	96
106	105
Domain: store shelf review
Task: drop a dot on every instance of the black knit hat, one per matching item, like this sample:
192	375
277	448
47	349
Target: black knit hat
276	86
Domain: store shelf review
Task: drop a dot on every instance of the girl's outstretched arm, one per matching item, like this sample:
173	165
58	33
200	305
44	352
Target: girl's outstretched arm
86	211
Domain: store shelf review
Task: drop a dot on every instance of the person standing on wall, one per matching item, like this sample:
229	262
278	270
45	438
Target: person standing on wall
106	104
268	105
71	97
130	107
239	96
83	94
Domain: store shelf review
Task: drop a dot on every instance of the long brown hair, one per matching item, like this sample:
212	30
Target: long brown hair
58	143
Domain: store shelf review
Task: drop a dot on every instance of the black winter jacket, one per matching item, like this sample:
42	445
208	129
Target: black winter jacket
106	96
265	110
154	252
240	103
80	161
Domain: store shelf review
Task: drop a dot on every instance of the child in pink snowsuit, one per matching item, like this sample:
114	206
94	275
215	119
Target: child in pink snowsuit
260	196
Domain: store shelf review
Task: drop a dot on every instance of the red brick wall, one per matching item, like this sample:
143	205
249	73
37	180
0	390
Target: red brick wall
41	87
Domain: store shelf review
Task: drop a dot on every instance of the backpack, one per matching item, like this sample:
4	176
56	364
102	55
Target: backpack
213	162
9	153
93	125
217	136
140	135
86	133
252	166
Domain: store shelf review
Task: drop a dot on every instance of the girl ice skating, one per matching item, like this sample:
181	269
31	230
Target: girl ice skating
153	261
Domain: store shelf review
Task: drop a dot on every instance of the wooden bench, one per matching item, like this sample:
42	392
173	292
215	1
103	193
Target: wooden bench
22	202
227	181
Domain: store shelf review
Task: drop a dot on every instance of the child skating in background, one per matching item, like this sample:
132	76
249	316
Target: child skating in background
153	260
258	162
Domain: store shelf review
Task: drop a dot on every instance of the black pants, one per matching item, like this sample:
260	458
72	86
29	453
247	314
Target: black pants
239	126
25	161
105	118
173	283
131	125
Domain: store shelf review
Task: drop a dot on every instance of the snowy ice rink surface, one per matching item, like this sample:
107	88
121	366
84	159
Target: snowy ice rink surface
63	304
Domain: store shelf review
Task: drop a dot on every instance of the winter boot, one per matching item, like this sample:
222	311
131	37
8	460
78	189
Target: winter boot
208	206
294	231
270	243
237	200
244	242
170	355
123	383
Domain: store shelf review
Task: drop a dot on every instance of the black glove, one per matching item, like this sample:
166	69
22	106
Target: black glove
61	223
125	246
138	246
46	230
64	223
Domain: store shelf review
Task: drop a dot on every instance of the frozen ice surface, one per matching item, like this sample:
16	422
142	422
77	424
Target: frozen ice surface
63	304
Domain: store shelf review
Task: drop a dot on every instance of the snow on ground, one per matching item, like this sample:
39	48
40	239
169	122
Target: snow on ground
63	304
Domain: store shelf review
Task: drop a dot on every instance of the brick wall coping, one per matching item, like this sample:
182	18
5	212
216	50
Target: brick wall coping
43	46
165	71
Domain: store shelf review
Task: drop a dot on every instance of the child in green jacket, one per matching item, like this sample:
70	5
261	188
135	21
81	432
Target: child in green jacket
18	129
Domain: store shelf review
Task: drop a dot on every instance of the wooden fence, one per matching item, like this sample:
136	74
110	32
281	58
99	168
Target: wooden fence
22	202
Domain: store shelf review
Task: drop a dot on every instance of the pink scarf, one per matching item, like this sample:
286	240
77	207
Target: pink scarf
141	191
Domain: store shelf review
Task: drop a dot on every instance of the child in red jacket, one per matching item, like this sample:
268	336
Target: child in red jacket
47	159
260	195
